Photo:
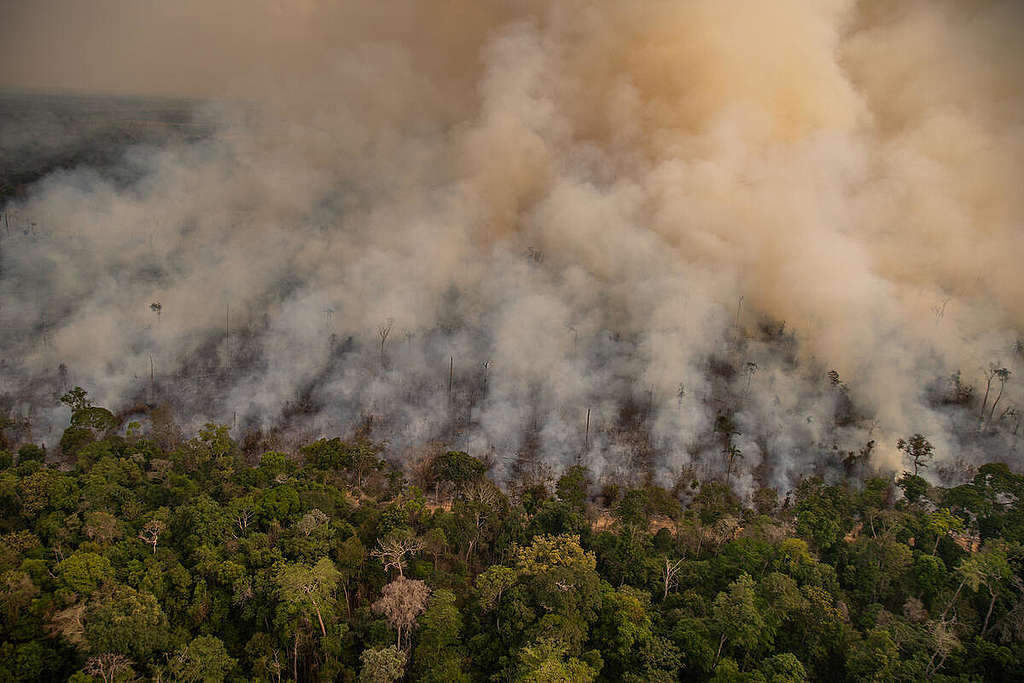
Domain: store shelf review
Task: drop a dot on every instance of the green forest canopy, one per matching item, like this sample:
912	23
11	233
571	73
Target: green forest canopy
184	561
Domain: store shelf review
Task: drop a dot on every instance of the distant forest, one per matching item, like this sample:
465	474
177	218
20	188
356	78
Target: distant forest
128	554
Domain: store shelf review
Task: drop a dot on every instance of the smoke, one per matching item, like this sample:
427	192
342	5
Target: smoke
657	212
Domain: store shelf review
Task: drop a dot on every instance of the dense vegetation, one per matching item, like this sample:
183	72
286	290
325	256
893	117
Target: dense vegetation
128	555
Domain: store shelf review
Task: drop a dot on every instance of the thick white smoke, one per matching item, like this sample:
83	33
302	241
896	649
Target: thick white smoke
660	212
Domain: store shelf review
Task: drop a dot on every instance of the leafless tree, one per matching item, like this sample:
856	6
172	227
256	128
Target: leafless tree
751	371
944	641
401	602
1003	375
383	332
152	531
392	549
107	666
670	574
994	370
244	517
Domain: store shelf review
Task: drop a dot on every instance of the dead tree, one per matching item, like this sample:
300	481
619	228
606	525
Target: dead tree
151	532
383	331
994	370
1003	374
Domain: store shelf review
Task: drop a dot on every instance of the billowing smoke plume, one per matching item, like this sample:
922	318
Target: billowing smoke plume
475	221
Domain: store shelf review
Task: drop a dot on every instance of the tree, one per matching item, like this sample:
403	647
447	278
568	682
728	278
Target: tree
918	450
309	589
989	568
438	657
458	468
783	668
152	531
83	572
126	621
994	370
383	331
914	487
548	661
101	526
669	574
492	583
31	453
204	660
392	549
942	522
822	512
944	641
109	666
560	576
572	486
76	399
737	618
401	602
1003	374
382	666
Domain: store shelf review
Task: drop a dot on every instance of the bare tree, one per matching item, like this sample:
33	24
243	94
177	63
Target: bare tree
152	531
107	666
392	549
731	453
401	602
383	332
1003	375
244	517
751	371
670	574
994	370
944	641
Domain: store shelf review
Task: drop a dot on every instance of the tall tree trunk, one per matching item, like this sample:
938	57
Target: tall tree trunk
988	615
1002	385
718	654
988	387
320	619
951	602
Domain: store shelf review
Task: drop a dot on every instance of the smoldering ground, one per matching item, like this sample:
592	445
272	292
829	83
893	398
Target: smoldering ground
474	222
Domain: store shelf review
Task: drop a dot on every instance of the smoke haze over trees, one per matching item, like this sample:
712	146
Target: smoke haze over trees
639	235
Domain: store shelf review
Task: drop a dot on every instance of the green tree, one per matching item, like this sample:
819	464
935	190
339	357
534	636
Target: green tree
737	618
83	572
457	469
127	622
204	660
309	590
548	661
783	668
822	513
572	486
382	666
560	576
438	658
990	569
917	450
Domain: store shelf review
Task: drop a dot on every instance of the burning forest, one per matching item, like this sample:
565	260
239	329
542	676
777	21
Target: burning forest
657	238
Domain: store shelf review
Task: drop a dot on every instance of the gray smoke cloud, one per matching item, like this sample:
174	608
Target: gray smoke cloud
659	212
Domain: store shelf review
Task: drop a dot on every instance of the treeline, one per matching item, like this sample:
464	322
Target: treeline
129	557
